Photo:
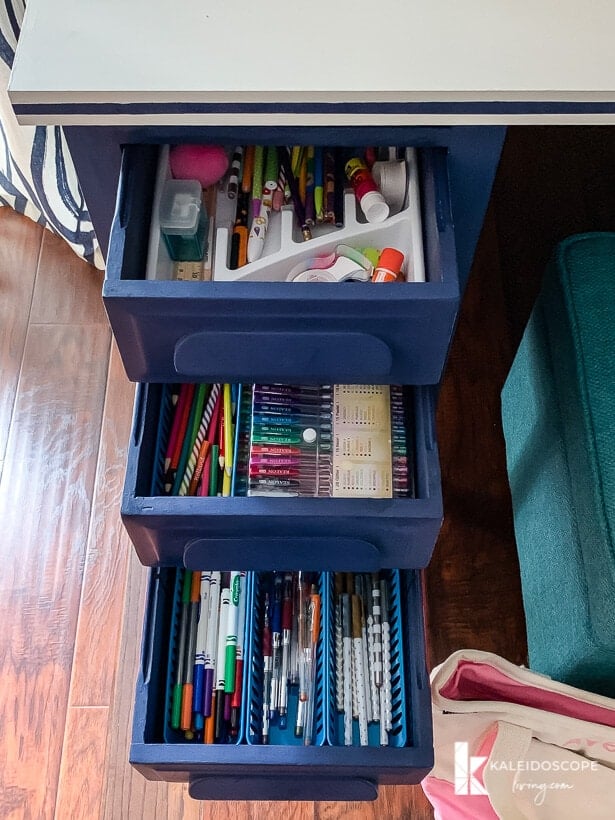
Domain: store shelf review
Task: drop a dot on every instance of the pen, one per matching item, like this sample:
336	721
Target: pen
347	668
314	630
358	584
302	641
357	646
233	180
267	662
276	644
386	707
294	190
287	623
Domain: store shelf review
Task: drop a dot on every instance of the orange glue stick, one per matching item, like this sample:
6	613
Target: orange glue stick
389	266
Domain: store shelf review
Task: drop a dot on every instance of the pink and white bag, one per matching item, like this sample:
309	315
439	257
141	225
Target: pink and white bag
513	744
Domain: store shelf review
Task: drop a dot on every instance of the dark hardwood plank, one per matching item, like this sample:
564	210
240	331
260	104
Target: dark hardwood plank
19	252
472	583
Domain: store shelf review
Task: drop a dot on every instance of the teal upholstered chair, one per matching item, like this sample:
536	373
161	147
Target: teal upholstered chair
558	412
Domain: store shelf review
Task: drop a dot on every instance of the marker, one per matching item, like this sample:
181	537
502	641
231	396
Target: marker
199	656
231	631
260	222
257	179
319	191
241	627
248	170
210	645
310	213
176	706
225	599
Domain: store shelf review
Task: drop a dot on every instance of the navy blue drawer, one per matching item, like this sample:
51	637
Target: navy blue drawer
260	533
276	331
246	771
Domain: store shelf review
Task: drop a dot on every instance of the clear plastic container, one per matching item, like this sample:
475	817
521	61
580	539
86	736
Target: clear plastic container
183	220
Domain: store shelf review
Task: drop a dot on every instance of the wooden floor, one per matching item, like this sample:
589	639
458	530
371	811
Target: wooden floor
71	590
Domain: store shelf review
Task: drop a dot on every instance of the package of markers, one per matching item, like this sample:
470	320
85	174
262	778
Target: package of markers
286	682
290	440
366	704
342	441
206	674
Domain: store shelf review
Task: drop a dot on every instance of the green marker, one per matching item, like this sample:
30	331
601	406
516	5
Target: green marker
231	632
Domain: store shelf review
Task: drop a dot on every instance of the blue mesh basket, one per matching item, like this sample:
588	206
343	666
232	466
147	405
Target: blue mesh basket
398	735
277	735
165	421
177	735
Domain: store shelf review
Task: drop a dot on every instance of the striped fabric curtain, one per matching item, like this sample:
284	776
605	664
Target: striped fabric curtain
37	175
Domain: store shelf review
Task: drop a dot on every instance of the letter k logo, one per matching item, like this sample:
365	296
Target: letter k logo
466	781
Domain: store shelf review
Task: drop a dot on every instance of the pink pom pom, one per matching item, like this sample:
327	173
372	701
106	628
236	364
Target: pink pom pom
207	163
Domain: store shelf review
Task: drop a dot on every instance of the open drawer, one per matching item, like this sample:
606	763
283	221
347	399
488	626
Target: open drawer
242	329
247	769
255	532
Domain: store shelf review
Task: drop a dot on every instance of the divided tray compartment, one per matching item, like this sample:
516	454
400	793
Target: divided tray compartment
170	734
255	532
400	708
310	333
278	736
284	246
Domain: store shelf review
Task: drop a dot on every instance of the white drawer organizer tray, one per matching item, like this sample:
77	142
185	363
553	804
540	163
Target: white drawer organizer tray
284	246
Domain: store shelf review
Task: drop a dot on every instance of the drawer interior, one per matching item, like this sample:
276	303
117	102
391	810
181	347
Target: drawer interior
146	169
405	759
408	425
253	532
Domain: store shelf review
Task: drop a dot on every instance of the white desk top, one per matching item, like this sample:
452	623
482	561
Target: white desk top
202	53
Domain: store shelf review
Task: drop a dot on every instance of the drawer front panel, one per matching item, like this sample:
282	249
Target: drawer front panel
265	331
253	533
279	772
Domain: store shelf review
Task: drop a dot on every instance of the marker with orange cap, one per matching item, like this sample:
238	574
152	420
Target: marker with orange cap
389	266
